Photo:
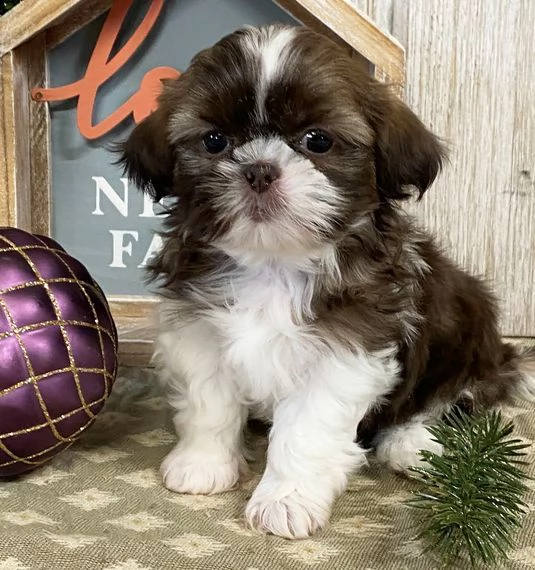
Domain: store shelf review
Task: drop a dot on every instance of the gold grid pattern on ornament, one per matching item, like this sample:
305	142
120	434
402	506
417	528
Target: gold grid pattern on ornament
34	379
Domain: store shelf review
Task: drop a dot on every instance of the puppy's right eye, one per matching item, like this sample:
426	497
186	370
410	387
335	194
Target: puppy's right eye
215	142
317	141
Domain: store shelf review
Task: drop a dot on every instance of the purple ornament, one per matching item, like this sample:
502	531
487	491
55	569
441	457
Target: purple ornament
58	350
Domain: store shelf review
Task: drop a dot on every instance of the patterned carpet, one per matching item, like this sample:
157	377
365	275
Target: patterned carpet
100	506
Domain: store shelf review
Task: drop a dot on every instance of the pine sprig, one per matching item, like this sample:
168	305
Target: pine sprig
472	501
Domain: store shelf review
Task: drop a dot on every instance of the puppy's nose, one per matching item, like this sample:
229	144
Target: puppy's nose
261	175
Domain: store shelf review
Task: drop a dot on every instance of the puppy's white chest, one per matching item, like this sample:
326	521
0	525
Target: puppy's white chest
265	341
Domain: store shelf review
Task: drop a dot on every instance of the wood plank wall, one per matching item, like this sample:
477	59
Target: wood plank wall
471	77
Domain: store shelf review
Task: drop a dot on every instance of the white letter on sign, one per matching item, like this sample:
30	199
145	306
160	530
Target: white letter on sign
120	248
102	186
148	207
154	247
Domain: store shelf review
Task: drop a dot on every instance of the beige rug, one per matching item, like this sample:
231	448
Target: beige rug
100	506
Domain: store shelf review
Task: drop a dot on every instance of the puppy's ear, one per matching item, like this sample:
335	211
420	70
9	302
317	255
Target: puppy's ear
407	154
147	156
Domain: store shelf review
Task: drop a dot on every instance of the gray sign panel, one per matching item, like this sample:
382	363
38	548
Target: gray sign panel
96	215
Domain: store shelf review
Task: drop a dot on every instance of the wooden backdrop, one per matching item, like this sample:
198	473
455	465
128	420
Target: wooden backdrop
471	77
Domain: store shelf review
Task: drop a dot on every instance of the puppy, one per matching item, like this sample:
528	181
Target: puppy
293	288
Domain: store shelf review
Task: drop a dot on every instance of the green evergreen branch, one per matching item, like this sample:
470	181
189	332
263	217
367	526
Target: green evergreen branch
472	500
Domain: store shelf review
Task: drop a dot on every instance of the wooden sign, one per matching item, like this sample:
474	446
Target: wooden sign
77	75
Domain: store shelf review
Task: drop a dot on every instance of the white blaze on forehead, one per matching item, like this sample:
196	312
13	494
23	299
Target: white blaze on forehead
271	47
274	53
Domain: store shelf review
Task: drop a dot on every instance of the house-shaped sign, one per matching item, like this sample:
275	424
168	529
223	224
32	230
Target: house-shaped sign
77	75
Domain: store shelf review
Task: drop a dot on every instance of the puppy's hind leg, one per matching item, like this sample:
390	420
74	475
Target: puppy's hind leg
517	375
399	446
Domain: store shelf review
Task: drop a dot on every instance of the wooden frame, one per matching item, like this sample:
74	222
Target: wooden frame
33	27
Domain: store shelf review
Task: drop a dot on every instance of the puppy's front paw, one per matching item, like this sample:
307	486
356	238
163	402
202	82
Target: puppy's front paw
290	516
200	473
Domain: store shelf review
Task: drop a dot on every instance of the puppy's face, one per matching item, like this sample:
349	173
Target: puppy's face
277	143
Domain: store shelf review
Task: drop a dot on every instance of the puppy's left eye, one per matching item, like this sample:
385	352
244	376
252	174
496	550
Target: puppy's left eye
215	142
316	141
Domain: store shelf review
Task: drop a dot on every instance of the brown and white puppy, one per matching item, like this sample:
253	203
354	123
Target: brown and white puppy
293	288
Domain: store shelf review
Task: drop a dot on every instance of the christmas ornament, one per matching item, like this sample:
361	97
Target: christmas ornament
58	350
